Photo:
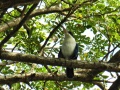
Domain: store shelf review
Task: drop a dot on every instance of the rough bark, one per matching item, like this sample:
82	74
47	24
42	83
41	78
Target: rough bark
115	67
11	3
115	85
37	12
10	79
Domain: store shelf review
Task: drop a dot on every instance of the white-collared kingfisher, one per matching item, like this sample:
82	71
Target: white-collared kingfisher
69	50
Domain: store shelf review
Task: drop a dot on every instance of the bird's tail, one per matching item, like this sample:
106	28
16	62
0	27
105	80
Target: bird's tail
70	72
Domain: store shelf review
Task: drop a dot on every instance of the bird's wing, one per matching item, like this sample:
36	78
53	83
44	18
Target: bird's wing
75	53
60	55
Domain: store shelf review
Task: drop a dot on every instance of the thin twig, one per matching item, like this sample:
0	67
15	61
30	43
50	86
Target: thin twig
110	52
15	46
53	31
109	44
62	21
100	85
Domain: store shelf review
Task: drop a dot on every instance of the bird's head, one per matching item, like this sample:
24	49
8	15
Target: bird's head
67	33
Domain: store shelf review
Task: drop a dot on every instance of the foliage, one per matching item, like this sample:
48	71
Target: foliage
95	25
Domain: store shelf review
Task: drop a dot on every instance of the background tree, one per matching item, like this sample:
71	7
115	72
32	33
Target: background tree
33	29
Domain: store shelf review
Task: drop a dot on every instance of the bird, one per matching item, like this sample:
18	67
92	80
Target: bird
69	50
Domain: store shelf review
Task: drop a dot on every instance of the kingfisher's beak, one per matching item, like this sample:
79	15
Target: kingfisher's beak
65	31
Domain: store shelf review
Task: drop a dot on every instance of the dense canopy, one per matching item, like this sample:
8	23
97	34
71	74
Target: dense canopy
31	33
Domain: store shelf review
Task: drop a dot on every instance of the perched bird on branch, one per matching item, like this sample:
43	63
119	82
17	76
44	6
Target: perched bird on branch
69	50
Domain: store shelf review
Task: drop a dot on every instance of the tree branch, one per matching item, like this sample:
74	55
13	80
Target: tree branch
10	79
11	3
115	59
71	11
18	27
37	12
115	67
53	31
100	85
10	24
115	85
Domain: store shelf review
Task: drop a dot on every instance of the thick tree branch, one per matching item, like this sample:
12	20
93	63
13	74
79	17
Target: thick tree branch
48	10
11	3
60	62
18	27
115	59
10	24
37	12
115	85
10	79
